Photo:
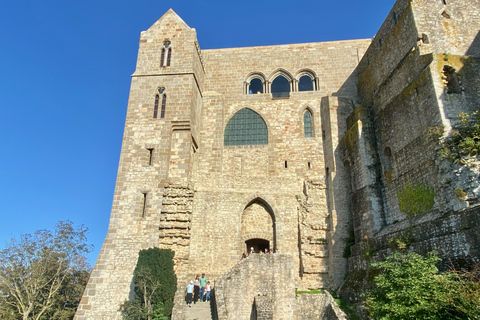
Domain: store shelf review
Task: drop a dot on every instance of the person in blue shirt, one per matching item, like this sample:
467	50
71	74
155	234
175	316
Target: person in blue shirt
189	293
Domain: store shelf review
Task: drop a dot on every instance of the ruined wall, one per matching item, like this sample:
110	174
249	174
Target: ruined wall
407	94
269	276
317	306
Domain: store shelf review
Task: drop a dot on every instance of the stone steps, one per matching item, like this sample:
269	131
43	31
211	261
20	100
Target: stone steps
198	311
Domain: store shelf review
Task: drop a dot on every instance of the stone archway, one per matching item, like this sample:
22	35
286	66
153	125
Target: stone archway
258	226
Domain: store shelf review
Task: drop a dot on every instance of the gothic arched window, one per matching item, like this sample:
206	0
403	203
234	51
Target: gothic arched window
246	127
281	87
155	108
164	103
305	83
166	54
307	124
256	86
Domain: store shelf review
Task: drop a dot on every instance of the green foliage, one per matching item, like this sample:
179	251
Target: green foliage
416	199
155	285
401	243
347	307
313	291
464	140
409	286
42	276
460	193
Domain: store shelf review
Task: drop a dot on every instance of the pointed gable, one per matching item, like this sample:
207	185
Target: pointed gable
168	21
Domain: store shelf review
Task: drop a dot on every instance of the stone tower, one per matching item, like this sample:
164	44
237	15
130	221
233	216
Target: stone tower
155	163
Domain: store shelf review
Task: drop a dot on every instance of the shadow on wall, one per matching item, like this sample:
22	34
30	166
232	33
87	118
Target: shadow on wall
474	49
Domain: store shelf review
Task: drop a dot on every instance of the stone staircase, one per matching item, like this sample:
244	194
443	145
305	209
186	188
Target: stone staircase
199	311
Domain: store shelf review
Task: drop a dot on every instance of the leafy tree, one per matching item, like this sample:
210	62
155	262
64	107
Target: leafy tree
155	285
409	286
42	276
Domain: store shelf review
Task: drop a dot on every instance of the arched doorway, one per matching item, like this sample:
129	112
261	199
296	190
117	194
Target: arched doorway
258	227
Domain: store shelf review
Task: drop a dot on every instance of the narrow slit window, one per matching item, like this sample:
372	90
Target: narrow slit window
155	108
309	166
164	102
144	207
395	19
444	2
286	164
150	157
169	56
162	58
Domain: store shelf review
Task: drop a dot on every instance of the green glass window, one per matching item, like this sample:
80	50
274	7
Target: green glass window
246	127
307	124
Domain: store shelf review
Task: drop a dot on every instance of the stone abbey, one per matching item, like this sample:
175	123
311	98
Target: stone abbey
300	148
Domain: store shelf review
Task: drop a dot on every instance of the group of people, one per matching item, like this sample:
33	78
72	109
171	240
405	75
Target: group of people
198	289
252	250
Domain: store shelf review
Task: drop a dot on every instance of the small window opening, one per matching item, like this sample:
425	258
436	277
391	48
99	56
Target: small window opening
388	159
444	2
380	42
395	19
323	134
286	164
280	87
309	166
445	14
451	80
155	108
164	102
307	124
144	208
150	156
256	86
305	83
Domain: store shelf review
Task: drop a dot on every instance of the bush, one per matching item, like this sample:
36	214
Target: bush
464	140
416	199
409	286
155	285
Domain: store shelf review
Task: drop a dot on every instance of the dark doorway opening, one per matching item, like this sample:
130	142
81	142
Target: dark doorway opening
257	244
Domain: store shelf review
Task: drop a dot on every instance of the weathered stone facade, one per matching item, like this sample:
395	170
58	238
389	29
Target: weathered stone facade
311	183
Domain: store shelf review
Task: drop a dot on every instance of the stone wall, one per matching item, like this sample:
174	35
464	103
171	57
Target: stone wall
267	279
406	94
318	306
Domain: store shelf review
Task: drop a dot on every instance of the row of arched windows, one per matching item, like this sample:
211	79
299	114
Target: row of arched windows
247	127
281	83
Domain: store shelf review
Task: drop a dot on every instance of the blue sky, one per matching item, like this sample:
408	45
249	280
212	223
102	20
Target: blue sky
65	77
